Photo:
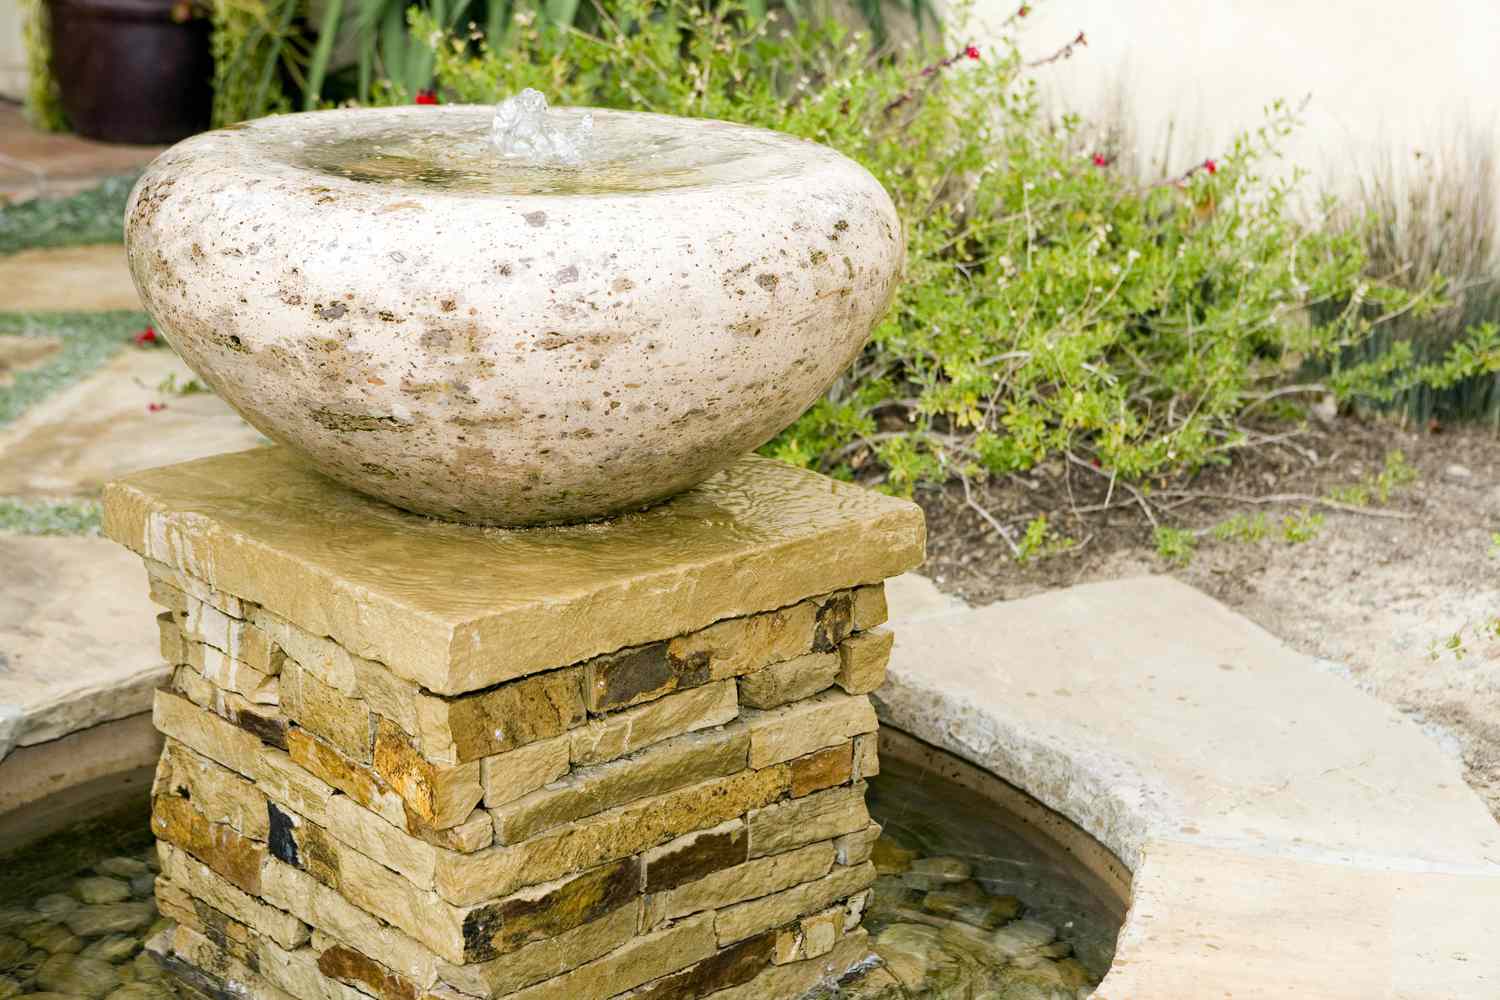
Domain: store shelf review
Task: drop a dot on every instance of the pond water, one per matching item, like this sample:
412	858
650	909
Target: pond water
972	903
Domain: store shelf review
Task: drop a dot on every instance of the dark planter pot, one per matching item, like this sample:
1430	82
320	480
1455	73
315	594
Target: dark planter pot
128	72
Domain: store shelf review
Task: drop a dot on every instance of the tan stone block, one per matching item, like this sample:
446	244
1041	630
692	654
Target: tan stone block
367	833
870	609
866	756
508	776
862	660
297	973
229	935
620	733
834	620
344	722
199	951
205	733
799	978
202	622
326	910
164	594
191	685
788	681
473	726
264	722
319	763
219	793
855	848
442	795
743	920
737	646
202	883
229	674
173	646
798	729
546	958
618	833
643	673
787	945
442	604
587	791
473	834
236	858
821	931
172	578
854	909
822	769
733	966
312	756
821	816
638	961
694	855
746	881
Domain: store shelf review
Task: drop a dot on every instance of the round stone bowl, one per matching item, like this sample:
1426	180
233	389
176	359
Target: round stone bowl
488	341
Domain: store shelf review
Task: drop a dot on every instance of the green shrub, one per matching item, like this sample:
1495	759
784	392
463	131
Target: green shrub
1052	307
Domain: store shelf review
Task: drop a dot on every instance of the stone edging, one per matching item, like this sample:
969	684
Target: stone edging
1288	834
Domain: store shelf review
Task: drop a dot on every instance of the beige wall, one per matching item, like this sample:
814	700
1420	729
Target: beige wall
12	56
1383	75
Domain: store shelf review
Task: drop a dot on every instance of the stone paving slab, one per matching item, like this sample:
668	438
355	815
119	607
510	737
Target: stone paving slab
103	427
1266	806
48	164
78	639
456	608
67	278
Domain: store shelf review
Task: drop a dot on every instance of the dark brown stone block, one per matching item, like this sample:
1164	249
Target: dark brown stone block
737	964
619	680
349	966
491	931
822	769
695	856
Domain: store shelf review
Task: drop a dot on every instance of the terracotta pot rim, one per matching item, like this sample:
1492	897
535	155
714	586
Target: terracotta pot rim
121	10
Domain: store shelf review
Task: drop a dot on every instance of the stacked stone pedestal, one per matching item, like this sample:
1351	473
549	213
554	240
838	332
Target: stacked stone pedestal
413	759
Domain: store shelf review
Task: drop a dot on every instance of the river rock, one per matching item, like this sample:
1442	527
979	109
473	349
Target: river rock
54	939
55	906
12	950
84	977
92	921
122	867
1022	936
113	948
101	889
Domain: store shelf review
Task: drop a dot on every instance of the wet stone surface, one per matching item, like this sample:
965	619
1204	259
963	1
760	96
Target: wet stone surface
964	909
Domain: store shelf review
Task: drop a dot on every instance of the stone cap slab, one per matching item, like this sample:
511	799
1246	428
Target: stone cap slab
1288	834
457	608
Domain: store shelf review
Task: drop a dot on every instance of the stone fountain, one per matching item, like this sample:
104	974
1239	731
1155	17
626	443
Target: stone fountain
413	754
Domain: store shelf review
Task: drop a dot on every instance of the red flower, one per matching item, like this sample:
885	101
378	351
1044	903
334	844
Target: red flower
1210	166
1023	11
146	336
1096	463
1100	160
155	407
426	97
972	52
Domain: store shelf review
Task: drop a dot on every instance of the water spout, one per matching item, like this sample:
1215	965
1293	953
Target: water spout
522	130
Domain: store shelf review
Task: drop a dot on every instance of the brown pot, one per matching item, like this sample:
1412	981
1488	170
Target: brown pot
129	72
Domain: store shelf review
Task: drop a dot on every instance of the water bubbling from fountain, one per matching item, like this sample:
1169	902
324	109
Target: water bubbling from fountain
521	130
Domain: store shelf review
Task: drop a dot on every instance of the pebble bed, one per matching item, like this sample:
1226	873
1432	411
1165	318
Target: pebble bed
964	909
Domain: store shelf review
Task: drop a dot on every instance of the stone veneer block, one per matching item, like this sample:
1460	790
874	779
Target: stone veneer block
371	787
440	604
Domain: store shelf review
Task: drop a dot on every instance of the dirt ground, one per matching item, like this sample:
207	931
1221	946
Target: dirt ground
1402	597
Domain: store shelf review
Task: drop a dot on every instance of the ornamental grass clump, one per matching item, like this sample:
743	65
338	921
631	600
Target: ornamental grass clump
1053	307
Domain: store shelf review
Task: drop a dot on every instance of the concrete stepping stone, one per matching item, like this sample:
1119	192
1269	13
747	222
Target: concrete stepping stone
103	427
78	642
1288	834
67	279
